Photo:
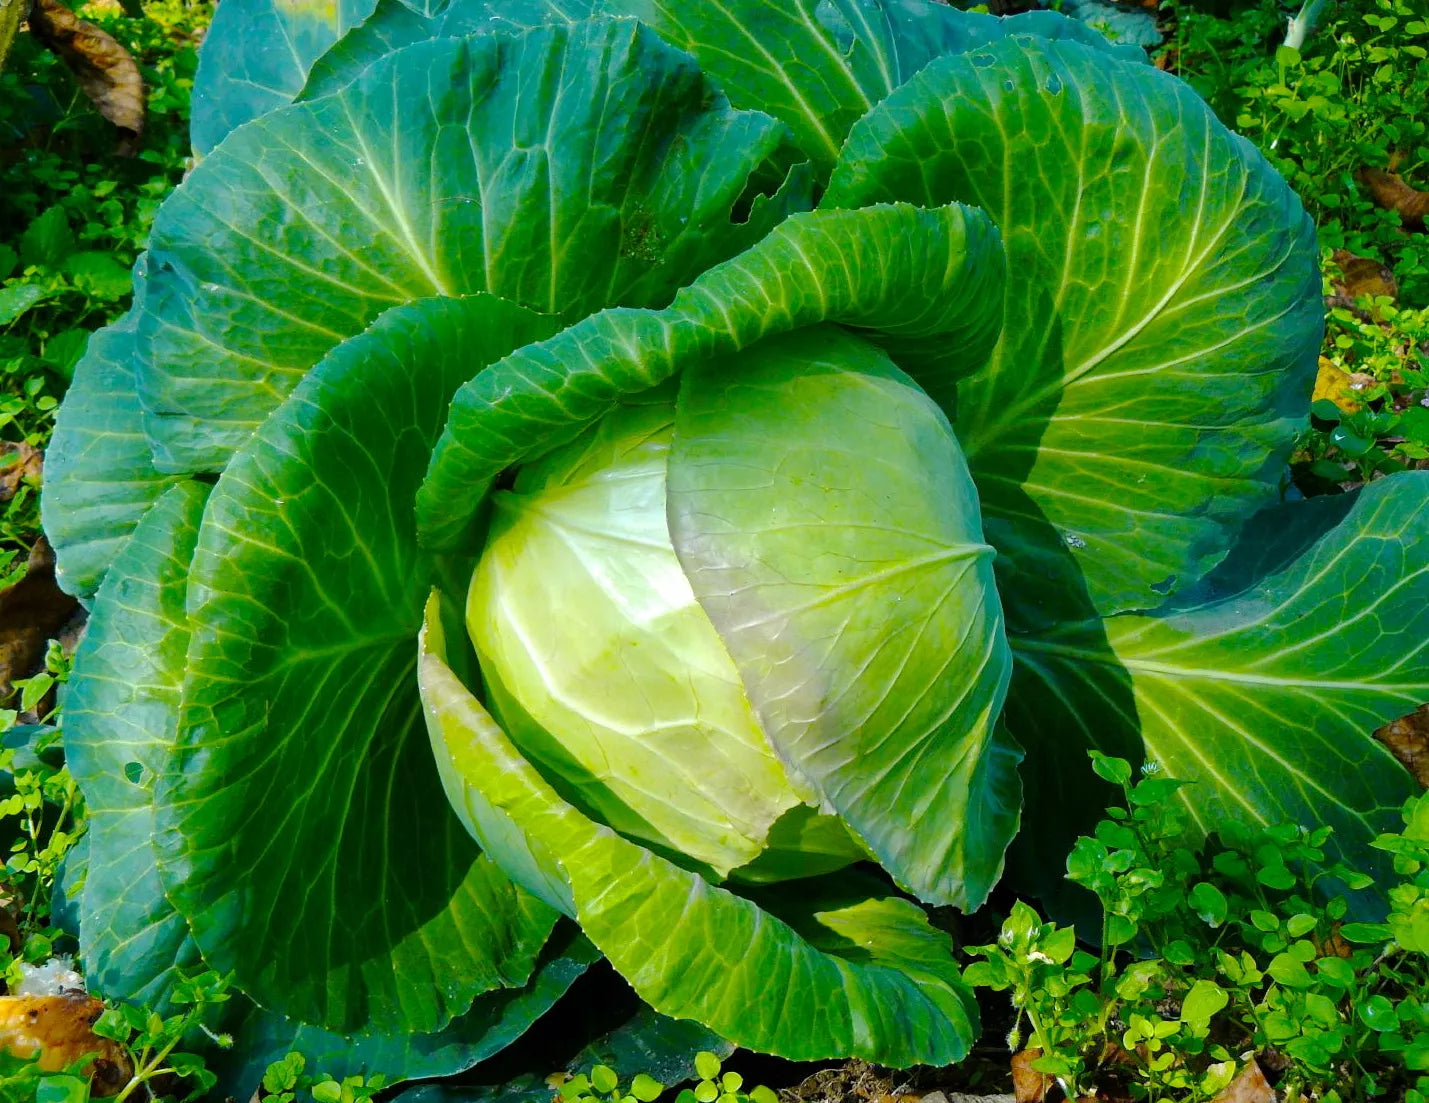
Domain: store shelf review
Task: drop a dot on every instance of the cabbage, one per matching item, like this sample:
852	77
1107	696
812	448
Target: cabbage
633	479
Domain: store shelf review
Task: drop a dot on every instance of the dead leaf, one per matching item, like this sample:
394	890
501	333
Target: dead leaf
1250	1086
59	1030
1334	946
1361	277
32	612
12	905
1029	1085
1408	740
1339	386
104	69
18	462
1389	191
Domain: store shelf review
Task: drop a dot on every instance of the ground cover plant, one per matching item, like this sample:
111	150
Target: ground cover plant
75	215
1338	116
1212	953
650	273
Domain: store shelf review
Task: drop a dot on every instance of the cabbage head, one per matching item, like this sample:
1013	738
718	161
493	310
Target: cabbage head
689	484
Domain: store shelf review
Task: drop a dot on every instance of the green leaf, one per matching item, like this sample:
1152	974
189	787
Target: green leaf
62	1088
1210	903
1205	999
256	57
326	1091
923	284
580	611
492	1023
16	299
1265	698
875	954
1133	26
1377	1013
1365	933
603	1078
666	1048
1290	971
1163	314
63	350
47	240
99	475
121	709
391	25
884	690
98	274
1115	770
305	596
646	1088
850	54
631	176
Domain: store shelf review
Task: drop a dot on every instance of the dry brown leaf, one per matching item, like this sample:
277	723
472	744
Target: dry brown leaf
1389	191
1339	386
1408	740
1250	1086
58	1031
1360	277
18	461
1029	1085
32	612
12	904
104	69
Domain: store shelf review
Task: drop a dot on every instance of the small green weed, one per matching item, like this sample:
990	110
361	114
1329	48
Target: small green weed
287	1081
151	1042
602	1085
1373	417
41	812
1212	955
1351	98
80	214
41	818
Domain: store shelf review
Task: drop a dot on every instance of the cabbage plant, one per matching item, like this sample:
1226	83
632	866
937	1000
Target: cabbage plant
634	479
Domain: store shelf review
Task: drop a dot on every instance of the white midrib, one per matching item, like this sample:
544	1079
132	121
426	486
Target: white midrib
1168	670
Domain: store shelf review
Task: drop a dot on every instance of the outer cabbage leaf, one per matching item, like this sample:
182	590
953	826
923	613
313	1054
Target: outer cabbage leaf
1265	695
495	1021
1119	21
820	65
867	977
121	713
567	169
256	55
394	24
850	53
121	717
659	1046
300	771
839	554
923	284
99	474
1162	313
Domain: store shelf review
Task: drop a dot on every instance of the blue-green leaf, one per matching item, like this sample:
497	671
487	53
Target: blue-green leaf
1162	321
121	715
863	975
99	474
1265	698
565	168
923	284
304	832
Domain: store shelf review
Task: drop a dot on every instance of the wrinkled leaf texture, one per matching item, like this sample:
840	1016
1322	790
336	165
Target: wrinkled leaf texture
1125	413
